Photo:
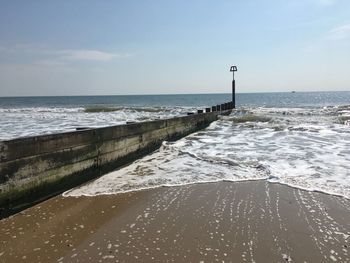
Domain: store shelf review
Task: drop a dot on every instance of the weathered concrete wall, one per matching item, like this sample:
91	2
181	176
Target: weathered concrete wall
38	167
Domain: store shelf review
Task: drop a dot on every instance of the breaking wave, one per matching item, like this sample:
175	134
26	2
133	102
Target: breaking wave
21	122
308	148
135	109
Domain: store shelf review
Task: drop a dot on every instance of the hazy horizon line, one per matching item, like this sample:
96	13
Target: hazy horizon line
171	94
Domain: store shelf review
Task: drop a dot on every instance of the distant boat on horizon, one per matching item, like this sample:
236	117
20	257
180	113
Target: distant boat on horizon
293	91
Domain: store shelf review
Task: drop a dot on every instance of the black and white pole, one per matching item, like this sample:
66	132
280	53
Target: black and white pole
233	69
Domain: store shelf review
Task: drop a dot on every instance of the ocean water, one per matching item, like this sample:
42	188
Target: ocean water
29	116
298	139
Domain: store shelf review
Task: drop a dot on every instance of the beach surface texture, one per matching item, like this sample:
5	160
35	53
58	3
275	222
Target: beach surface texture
268	183
253	221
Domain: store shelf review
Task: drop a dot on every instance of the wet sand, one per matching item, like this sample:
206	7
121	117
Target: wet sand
217	222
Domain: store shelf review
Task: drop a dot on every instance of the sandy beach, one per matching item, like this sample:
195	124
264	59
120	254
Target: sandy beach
252	221
175	131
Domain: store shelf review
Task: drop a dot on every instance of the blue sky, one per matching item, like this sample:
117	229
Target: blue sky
147	47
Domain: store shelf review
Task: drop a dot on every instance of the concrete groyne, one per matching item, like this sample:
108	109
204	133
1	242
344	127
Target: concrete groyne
35	168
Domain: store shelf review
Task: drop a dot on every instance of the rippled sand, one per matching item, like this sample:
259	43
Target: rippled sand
253	221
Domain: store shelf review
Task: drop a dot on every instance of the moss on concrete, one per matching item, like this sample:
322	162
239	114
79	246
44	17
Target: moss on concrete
69	170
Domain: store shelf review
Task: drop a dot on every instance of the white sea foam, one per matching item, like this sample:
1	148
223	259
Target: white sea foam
21	122
304	148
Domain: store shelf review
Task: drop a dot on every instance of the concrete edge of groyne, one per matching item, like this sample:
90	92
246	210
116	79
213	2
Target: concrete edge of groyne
35	168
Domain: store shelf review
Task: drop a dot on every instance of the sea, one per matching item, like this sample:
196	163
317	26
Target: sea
300	139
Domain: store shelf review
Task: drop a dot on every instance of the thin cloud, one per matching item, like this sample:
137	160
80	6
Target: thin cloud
333	37
339	33
326	2
42	55
87	55
50	62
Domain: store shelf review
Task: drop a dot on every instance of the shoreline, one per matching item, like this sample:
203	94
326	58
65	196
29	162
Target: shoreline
204	182
222	221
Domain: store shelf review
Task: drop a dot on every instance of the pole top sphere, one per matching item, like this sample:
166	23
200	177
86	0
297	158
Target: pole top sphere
233	69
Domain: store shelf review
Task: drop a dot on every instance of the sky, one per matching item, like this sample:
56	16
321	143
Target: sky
86	47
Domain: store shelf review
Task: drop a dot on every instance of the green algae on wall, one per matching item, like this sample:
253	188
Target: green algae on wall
35	168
